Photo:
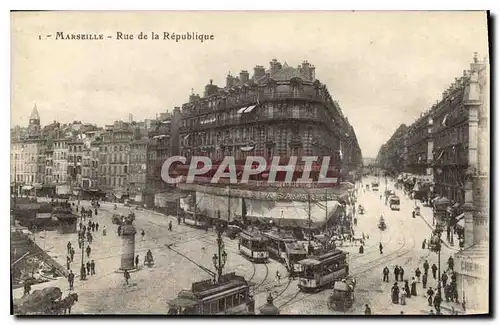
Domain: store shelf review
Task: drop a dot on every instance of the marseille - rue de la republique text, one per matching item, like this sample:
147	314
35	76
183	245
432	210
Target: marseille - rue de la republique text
177	37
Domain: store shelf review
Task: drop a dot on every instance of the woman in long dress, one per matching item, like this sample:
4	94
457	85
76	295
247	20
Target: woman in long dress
402	297
395	293
413	286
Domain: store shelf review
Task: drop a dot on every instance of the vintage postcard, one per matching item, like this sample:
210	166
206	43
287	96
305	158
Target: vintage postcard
250	163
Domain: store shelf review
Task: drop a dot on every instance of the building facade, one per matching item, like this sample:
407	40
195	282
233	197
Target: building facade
452	138
138	168
114	159
283	111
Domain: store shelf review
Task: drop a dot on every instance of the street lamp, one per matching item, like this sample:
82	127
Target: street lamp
436	247
220	259
83	273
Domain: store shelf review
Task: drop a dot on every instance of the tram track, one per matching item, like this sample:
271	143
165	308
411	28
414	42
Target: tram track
374	263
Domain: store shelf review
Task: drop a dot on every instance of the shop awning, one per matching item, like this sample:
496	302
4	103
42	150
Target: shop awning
37	186
241	110
249	148
249	109
27	187
456	206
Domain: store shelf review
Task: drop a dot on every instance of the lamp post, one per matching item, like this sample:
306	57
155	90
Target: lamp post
436	247
83	273
219	259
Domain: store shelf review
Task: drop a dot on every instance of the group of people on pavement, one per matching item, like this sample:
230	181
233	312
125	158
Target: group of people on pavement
409	289
85	234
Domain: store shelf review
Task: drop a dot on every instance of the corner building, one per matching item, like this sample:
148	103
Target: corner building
282	111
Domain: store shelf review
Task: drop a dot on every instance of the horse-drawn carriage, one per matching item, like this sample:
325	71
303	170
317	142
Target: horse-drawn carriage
342	297
381	223
45	302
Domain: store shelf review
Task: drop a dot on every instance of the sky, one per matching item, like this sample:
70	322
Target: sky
384	68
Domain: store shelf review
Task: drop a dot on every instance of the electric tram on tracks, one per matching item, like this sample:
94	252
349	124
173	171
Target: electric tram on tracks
228	296
252	245
323	270
284	248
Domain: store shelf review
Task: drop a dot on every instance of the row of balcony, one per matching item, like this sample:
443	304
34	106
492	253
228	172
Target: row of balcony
251	99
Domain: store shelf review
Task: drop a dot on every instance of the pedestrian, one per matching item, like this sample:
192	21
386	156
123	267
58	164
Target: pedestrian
81	225
72	254
361	249
444	278
380	247
417	274
424	243
142	234
424	280
368	310
407	288
95	212
386	274
68	246
27	288
88	268
84	229
437	303
71	280
170	226
413	287
434	269
278	278
432	312
119	230
137	262
450	263
68	262
126	275
401	273
93	227
88	250
97	226
430	293
396	273
395	293
92	267
426	267
104	231
402	297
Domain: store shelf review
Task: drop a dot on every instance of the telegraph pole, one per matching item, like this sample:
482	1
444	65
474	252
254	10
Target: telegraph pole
228	204
309	218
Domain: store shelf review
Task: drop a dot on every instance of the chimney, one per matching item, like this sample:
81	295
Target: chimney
244	77
258	72
211	81
275	66
306	69
229	81
312	76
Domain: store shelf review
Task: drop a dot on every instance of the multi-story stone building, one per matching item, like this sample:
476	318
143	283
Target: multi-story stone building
283	112
28	157
60	161
162	143
75	159
393	154
114	159
457	133
138	168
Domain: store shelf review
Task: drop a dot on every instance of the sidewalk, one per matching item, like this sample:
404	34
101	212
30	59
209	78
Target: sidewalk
426	214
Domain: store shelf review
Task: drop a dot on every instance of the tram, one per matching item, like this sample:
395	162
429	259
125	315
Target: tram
229	296
323	270
283	247
394	203
252	245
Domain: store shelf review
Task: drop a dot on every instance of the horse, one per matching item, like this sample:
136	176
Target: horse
65	304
